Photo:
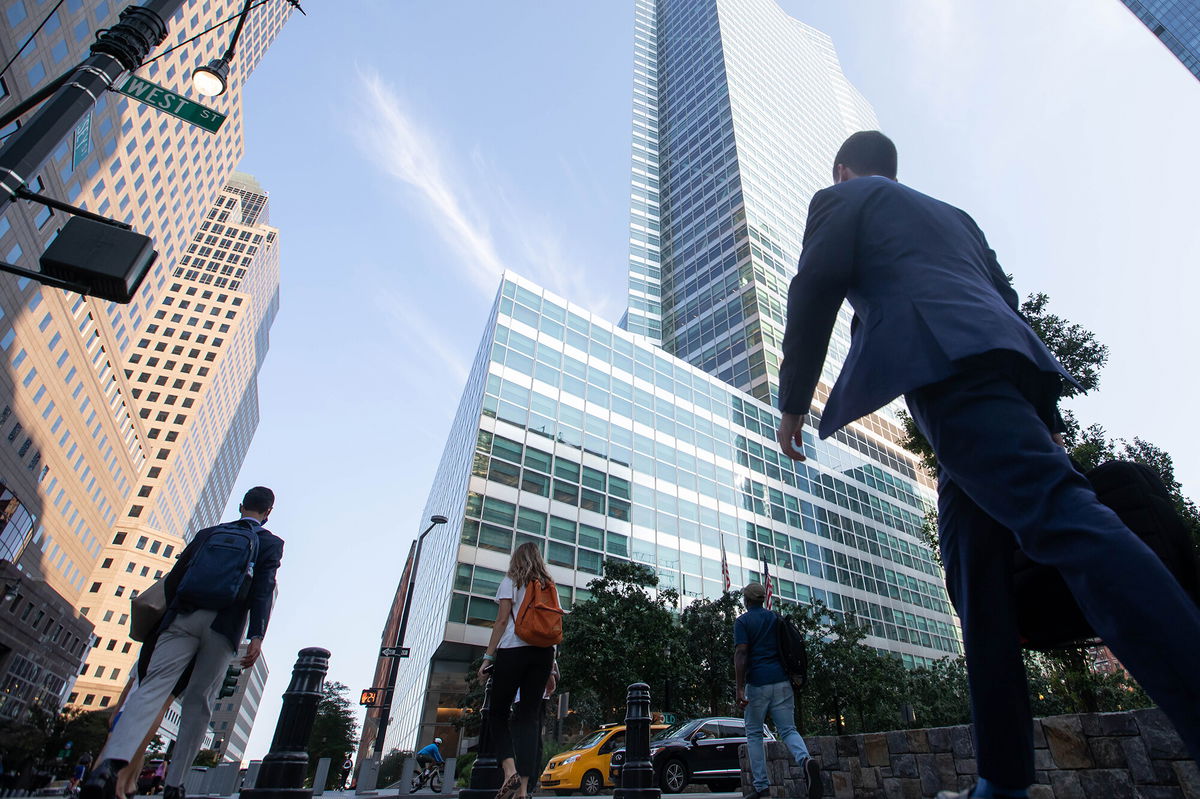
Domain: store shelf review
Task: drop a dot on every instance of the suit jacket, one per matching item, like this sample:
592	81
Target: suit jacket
926	290
255	609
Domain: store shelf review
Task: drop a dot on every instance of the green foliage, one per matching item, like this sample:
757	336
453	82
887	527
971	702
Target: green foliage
625	633
24	741
335	730
463	768
207	757
1075	346
707	687
157	747
1066	681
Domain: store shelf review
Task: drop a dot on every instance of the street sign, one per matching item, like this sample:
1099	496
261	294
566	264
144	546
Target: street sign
151	94
394	652
370	697
83	141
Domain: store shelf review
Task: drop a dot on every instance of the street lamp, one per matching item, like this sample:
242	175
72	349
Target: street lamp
385	712
212	79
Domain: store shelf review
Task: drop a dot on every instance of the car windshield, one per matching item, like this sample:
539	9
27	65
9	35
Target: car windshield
590	740
680	730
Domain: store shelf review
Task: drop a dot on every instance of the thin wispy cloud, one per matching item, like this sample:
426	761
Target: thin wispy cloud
463	197
427	345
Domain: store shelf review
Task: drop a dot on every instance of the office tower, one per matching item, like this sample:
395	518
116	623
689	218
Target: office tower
73	448
654	441
1176	23
233	716
193	376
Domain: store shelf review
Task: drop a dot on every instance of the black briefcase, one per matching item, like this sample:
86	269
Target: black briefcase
1047	614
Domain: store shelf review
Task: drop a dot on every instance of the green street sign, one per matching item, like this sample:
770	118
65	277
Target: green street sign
83	141
153	95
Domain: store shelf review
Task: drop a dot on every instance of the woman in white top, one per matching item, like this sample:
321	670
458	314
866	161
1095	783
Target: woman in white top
515	665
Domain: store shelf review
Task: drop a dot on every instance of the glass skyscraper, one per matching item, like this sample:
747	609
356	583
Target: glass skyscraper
653	440
1177	25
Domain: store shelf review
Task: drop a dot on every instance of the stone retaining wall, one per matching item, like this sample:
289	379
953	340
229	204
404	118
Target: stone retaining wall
1132	755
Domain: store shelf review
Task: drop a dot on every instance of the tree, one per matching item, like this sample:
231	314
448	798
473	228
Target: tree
707	688
335	730
391	767
207	758
620	636
87	731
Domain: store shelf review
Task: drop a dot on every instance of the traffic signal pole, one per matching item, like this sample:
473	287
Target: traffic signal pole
119	49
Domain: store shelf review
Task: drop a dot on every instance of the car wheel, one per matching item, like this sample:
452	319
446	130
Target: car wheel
592	783
674	777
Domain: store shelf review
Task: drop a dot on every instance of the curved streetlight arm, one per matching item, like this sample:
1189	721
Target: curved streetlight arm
237	31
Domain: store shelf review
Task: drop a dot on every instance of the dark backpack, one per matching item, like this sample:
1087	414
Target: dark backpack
220	572
793	652
1047	615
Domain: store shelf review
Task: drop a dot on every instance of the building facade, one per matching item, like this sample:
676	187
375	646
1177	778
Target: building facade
193	374
1176	23
73	446
233	716
654	441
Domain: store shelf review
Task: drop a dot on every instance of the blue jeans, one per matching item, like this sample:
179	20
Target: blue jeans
776	699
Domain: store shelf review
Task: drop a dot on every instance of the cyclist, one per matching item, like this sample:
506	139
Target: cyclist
430	756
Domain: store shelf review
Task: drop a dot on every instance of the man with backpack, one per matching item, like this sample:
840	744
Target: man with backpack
764	687
219	592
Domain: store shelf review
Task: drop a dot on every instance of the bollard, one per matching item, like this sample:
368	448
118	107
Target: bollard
368	776
321	777
448	775
407	772
251	773
637	775
285	769
486	773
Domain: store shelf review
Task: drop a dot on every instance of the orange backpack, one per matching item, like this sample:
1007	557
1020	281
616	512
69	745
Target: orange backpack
539	621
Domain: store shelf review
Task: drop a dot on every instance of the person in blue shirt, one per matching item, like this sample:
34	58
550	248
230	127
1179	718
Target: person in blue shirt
763	688
430	755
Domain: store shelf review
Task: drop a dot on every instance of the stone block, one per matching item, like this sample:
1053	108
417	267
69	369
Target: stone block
930	773
1090	723
910	789
939	739
1137	761
905	766
842	787
1108	752
918	742
1066	785
1042	759
1041	792
1163	773
1118	724
870	779
966	765
1106	782
1039	738
1159	735
961	742
1159	792
875	750
897	742
1065	739
847	746
1188	774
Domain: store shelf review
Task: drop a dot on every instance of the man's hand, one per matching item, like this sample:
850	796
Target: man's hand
741	698
485	669
253	650
551	685
788	435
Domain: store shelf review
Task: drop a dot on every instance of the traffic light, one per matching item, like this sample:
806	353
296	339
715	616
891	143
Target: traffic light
230	683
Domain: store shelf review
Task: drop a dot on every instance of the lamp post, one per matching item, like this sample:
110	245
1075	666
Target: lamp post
385	712
212	79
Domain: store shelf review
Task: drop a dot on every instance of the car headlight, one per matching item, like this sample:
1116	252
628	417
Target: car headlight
570	760
654	750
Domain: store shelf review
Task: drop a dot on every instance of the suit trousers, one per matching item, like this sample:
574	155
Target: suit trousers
189	636
1004	483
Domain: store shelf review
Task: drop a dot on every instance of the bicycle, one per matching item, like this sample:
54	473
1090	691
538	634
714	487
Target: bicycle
431	775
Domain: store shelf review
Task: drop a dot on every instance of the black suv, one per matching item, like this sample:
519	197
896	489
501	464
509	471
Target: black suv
701	751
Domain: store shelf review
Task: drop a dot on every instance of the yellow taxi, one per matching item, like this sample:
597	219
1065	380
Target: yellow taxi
584	767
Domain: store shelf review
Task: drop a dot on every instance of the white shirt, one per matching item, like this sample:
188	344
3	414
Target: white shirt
510	639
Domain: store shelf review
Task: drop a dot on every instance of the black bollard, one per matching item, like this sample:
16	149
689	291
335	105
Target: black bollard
637	775
285	768
486	773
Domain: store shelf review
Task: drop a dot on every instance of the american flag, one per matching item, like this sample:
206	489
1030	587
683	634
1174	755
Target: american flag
767	585
724	565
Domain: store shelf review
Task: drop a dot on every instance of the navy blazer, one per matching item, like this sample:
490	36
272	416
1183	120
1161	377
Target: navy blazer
255	609
926	290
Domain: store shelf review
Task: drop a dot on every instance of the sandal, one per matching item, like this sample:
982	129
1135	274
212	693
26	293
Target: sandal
510	787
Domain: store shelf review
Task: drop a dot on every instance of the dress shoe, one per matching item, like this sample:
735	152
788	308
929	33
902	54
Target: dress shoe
102	782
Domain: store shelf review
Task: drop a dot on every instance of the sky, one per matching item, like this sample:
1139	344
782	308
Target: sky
414	150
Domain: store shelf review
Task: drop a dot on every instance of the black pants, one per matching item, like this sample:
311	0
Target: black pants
524	668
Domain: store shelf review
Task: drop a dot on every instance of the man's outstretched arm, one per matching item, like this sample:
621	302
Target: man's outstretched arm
814	297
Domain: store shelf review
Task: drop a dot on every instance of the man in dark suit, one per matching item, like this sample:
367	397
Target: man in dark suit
937	321
207	639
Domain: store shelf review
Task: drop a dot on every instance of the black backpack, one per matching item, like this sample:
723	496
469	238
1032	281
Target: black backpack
220	573
793	652
1047	615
